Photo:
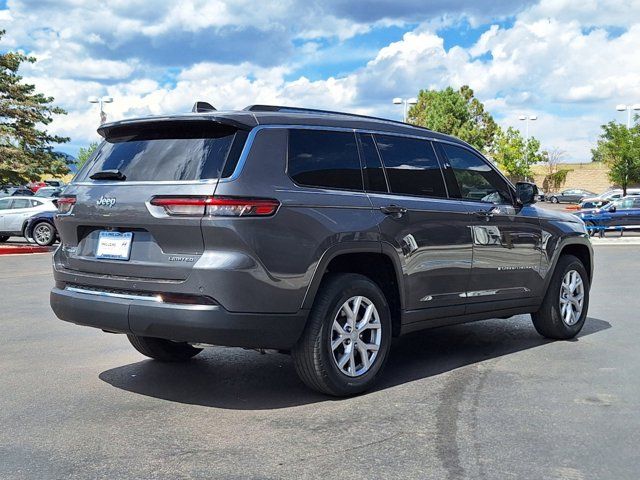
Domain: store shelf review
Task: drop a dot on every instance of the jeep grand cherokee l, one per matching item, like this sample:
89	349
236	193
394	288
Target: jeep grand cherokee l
317	233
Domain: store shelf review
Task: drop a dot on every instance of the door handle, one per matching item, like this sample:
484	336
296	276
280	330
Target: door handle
484	214
395	210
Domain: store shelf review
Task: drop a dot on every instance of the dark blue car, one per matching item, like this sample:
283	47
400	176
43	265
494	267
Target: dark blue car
624	213
41	229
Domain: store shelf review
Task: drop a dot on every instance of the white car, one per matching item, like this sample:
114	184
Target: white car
15	211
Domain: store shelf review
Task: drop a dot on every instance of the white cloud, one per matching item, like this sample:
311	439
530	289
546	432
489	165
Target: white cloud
568	61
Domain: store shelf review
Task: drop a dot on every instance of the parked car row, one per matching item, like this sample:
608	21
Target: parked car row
32	188
586	199
606	197
620	213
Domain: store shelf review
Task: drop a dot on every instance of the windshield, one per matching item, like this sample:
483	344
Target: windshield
623	203
169	151
47	192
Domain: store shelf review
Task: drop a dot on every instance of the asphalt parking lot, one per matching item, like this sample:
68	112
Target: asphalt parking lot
485	400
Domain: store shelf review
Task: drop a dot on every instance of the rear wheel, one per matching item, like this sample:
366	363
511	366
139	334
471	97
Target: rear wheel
347	338
44	234
163	350
4	238
564	308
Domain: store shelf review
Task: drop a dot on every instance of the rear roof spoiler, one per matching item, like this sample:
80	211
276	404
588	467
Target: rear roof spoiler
107	129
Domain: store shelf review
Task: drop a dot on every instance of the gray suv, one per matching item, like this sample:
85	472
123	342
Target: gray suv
319	234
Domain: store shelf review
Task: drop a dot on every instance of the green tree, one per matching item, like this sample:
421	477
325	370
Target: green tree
515	155
619	148
85	153
26	148
457	113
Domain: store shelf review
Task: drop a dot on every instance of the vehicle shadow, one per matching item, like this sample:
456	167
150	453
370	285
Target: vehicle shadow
247	380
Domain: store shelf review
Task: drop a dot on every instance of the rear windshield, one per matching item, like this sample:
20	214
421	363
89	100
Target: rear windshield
169	151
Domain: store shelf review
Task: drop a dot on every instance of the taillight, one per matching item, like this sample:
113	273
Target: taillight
217	206
65	204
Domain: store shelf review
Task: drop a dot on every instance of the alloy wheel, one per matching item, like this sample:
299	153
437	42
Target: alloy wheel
43	234
571	297
356	335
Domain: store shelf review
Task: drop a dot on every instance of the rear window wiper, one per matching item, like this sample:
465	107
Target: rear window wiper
109	175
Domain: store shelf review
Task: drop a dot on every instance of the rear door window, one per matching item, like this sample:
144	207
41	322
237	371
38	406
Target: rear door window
21	203
169	151
324	158
411	165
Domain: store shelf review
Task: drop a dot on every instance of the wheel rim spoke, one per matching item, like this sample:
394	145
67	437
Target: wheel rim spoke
364	355
571	297
356	336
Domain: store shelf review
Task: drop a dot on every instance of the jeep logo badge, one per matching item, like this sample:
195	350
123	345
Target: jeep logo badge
106	201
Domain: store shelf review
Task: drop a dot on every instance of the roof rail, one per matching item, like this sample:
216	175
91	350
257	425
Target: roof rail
279	108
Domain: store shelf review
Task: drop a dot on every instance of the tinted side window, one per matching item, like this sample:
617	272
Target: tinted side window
476	180
321	158
4	203
374	180
411	165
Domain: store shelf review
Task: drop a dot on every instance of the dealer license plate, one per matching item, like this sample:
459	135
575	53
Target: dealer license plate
114	245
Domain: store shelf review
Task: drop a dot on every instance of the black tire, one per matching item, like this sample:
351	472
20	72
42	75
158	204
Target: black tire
548	319
312	355
554	200
4	238
50	240
163	350
591	231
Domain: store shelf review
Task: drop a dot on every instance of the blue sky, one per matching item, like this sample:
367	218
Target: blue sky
568	62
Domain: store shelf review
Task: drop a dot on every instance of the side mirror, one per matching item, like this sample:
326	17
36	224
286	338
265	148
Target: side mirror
526	193
612	208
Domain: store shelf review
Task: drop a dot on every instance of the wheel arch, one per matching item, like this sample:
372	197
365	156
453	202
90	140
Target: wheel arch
374	260
577	246
581	251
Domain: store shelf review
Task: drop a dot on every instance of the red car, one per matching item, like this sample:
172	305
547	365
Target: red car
35	186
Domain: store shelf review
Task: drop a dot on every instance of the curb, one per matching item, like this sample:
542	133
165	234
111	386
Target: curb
13	249
615	241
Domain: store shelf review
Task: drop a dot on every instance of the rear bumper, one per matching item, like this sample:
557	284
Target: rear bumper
179	322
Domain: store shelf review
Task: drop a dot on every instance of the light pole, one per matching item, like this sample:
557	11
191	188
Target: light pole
101	101
527	119
406	102
622	107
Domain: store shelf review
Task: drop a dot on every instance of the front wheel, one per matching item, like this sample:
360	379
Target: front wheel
347	337
564	308
163	350
554	200
44	234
